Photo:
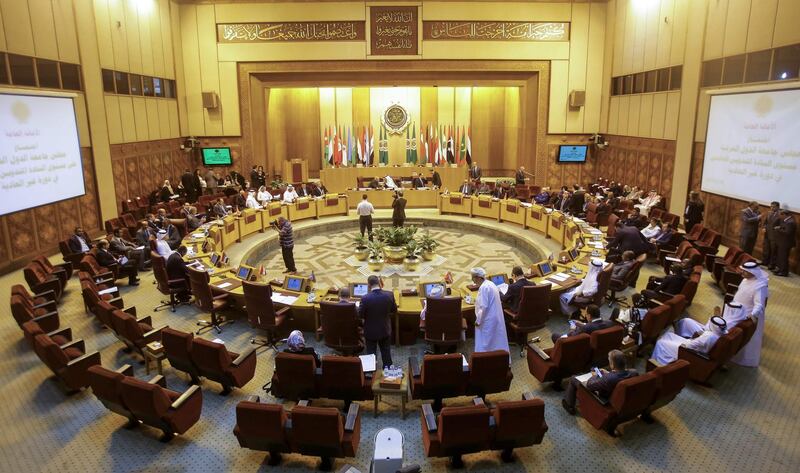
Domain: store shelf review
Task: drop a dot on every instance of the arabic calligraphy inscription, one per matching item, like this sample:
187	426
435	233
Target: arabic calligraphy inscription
393	30
495	31
291	31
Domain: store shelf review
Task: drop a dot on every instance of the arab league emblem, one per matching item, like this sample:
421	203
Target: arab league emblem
395	118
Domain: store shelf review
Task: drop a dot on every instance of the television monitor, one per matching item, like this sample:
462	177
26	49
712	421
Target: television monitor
214	259
426	288
244	272
573	254
217	157
358	290
498	279
295	283
545	268
572	153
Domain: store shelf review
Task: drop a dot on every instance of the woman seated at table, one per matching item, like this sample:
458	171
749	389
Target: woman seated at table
296	344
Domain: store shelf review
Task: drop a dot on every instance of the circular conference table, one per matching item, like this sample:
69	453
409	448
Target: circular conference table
579	242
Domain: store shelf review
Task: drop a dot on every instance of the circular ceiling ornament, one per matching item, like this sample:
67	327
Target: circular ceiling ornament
395	118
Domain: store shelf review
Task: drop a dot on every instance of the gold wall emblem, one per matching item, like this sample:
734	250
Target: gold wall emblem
395	118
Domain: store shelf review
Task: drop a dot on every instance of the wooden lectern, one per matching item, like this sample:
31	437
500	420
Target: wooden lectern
295	170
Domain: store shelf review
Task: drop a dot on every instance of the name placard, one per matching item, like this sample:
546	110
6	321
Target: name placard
394	30
291	31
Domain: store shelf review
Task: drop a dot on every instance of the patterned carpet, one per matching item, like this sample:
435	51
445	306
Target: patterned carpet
749	421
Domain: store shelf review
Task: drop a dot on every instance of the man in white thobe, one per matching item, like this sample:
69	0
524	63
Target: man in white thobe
667	346
251	202
490	327
588	288
289	195
733	314
162	247
648	202
752	294
389	183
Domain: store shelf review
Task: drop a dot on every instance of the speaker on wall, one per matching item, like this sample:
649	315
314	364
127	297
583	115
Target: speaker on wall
210	100
577	98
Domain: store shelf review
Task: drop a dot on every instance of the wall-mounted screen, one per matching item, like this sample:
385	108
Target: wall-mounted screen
217	156
572	153
40	155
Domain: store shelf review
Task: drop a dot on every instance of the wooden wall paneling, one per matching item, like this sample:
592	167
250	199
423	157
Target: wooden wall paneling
90	207
132	172
23	241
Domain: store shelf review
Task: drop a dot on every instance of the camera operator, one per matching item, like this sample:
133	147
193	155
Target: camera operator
399	206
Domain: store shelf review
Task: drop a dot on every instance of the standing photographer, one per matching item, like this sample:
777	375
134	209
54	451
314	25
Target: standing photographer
286	237
399	212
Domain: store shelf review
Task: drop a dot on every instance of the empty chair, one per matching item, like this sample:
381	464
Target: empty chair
343	378
178	349
443	321
533	313
440	376
155	405
709	243
671	379
570	355
62	270
261	312
135	333
262	427
630	398
23	311
703	365
199	281
518	424
90	265
456	431
341	327
107	387
39	281
294	377
36	298
489	372
68	362
695	232
30	329
216	363
603	341
324	432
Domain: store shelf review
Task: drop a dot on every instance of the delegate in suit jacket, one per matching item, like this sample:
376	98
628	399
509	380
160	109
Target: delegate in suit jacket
629	238
785	233
436	179
75	244
475	172
514	293
605	385
399	209
375	310
417	182
176	268
750	220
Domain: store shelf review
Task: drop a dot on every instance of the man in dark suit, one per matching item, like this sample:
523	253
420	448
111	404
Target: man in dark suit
578	200
519	176
176	269
121	246
512	296
417	181
237	179
254	178
220	209
436	179
770	249
126	266
79	242
621	269
671	284
475	171
785	234
173	235
628	239
303	191
590	321
143	235
603	384
187	181
375	310
634	219
466	188
748	232
398	209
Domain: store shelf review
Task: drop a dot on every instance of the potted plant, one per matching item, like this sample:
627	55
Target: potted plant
362	247
413	256
375	255
394	240
428	245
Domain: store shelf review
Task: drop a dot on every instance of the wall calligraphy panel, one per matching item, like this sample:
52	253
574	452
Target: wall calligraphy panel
291	31
394	31
495	31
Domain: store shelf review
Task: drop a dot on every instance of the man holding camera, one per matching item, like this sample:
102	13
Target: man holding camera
399	209
286	238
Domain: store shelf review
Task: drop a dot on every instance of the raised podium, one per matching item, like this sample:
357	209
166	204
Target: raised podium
295	170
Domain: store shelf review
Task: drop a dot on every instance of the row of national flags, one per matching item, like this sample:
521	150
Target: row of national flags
436	144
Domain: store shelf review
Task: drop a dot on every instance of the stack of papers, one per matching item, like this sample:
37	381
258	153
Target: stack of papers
596	244
283	299
223	285
560	277
367	362
584	377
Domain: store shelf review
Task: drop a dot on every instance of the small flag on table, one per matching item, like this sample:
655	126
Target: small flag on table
262	271
224	260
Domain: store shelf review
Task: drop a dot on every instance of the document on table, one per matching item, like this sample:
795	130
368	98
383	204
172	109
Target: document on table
283	299
223	285
560	277
367	362
503	288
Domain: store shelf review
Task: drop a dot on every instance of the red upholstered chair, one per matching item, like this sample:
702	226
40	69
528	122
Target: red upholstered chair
34	299
341	327
653	323
443	322
677	305
630	398
129	222
30	329
489	372
216	363
716	264
441	376
570	355
342	377
667	256
612	225
199	281
261	312
69	257
324	432
165	285
603	341
107	387
518	424
703	365
671	379
695	233
68	362
23	311
730	275
709	244
458	431
295	377
39	281
748	327
178	348
533	313
90	265
262	427
155	405
63	270
135	333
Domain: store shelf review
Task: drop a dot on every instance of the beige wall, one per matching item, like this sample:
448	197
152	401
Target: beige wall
574	63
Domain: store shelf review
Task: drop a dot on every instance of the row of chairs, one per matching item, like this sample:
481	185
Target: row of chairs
42	276
572	355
